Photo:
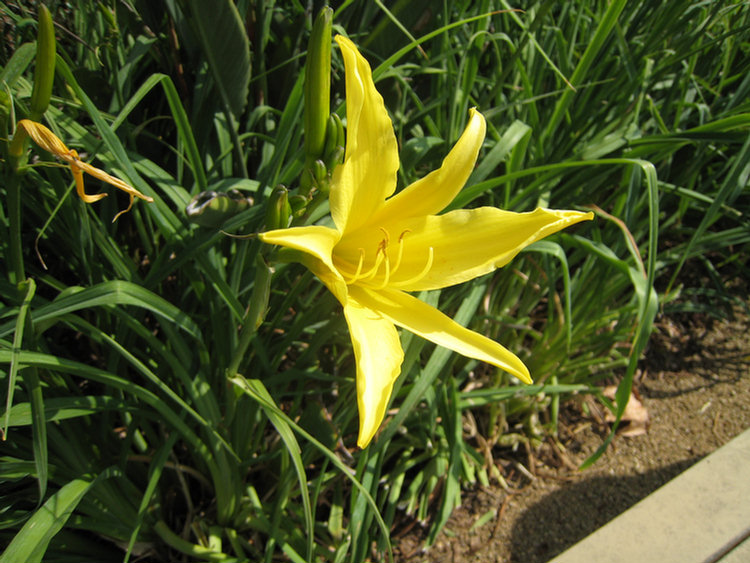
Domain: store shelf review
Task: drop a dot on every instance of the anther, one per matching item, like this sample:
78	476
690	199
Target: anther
381	256
386	239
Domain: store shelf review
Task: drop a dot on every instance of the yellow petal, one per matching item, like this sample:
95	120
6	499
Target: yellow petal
416	316
466	243
314	239
109	179
378	352
78	177
316	243
431	194
368	175
45	138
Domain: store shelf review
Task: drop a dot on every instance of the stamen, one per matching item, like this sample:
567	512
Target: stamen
420	275
400	251
369	274
381	255
387	276
386	239
355	277
374	270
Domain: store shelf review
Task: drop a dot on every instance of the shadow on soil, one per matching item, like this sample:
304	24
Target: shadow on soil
575	511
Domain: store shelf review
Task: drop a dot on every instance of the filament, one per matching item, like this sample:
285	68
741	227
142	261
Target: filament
359	266
358	275
420	275
400	251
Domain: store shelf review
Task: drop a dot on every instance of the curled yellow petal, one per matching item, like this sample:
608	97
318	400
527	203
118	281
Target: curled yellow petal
46	139
78	177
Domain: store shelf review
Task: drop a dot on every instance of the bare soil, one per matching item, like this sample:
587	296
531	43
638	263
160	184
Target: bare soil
695	384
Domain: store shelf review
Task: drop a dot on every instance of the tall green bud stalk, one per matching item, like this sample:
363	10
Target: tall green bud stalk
44	74
318	85
44	77
317	94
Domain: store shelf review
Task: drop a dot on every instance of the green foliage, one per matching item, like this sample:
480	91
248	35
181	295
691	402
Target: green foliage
169	392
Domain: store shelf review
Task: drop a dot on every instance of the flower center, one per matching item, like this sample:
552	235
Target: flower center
384	268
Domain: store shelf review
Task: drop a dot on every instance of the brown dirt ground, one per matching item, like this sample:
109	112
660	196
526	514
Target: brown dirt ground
695	385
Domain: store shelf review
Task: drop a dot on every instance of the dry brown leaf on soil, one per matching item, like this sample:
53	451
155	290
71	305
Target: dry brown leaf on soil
636	415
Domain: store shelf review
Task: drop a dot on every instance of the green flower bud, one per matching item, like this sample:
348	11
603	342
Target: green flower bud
319	170
335	158
278	210
298	203
211	209
335	141
318	85
44	73
321	175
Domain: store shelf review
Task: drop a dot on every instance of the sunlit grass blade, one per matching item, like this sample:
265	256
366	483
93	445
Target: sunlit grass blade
730	189
30	544
257	389
242	383
19	327
64	408
593	48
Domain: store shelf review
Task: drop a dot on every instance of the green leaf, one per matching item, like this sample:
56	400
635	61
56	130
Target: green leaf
110	294
30	544
595	45
19	326
256	389
63	408
17	64
226	47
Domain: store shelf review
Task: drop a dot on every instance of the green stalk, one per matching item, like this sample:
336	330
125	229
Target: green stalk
17	273
44	77
255	313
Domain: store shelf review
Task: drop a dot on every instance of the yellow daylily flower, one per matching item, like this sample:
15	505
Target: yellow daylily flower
47	140
383	247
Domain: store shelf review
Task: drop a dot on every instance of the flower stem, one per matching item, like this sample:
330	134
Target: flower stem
17	273
255	312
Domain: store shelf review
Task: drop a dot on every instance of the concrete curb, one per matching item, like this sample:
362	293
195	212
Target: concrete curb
700	516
